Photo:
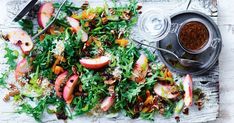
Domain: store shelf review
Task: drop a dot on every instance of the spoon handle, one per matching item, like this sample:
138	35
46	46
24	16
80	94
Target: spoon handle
157	48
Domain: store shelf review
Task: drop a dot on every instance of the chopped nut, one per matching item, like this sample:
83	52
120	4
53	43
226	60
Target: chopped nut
151	109
147	93
85	94
113	32
149	74
6	98
80	88
22	84
186	111
199	104
39	81
74	70
42	37
104	20
85	5
81	94
136	109
111	89
103	14
86	24
78	94
120	34
100	52
139	99
177	118
112	11
110	81
6	37
61	29
12	86
14	92
139	6
161	110
60	58
51	30
126	15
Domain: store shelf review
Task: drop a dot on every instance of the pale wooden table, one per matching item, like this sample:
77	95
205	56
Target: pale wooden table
226	24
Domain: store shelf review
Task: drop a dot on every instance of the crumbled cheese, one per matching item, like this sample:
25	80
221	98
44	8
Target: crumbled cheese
45	84
117	73
59	47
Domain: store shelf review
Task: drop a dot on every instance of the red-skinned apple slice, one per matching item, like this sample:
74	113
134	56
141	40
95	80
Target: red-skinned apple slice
22	39
188	96
76	28
69	88
164	91
22	68
108	102
60	79
45	13
95	63
140	69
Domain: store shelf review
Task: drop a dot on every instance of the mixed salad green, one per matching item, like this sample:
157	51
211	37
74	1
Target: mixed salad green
86	63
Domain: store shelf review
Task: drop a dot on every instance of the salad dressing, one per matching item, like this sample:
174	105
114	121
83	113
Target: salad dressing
193	35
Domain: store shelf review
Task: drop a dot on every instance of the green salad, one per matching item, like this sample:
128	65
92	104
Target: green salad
86	64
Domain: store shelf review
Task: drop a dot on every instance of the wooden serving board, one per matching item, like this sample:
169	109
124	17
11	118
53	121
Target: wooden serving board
208	82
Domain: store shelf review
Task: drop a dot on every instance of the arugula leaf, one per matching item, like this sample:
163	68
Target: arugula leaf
134	91
43	104
36	112
148	116
11	56
27	25
92	83
2	80
68	7
150	81
151	57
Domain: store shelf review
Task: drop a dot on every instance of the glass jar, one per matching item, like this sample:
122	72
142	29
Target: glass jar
154	25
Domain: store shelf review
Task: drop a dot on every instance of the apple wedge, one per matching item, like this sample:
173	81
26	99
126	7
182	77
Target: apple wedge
22	68
164	91
76	28
45	13
140	69
69	88
188	89
22	39
58	83
95	63
108	102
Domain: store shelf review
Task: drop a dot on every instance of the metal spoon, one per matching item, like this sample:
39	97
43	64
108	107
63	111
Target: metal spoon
182	61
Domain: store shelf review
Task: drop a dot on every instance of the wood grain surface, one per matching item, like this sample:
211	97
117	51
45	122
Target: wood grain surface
221	76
